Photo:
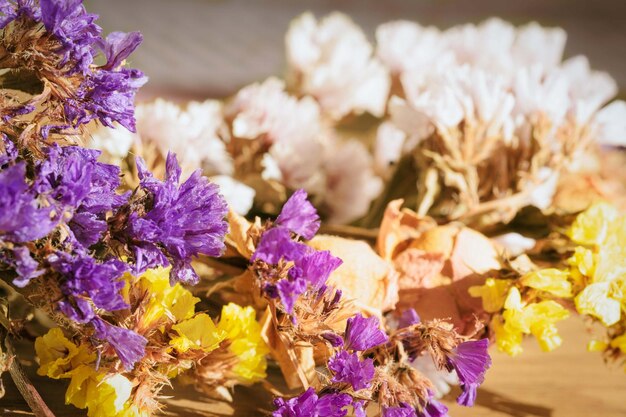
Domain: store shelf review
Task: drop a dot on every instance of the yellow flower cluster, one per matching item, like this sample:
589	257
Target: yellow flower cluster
598	271
244	333
101	393
165	302
537	316
598	266
237	326
595	280
170	312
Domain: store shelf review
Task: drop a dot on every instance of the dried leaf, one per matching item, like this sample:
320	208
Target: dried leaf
238	237
399	227
364	276
418	268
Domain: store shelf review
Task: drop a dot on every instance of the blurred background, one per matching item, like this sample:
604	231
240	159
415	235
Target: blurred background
196	49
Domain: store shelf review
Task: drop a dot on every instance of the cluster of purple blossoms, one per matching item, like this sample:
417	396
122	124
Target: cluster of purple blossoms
104	92
63	220
59	205
348	368
280	243
347	365
174	222
73	197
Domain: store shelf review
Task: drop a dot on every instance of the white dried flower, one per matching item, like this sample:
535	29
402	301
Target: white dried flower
333	61
514	244
289	126
351	184
610	123
194	134
390	141
406	46
114	143
440	378
238	195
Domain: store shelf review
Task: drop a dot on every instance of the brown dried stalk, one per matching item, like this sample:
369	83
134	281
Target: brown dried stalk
23	384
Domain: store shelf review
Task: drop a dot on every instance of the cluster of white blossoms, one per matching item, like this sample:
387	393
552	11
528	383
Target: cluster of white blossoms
466	102
196	133
495	96
262	133
497	75
333	61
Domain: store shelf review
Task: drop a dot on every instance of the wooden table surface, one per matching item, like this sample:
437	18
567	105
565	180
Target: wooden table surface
569	382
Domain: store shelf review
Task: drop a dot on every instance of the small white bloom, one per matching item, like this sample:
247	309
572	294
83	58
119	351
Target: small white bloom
333	61
193	134
113	142
388	148
611	124
542	192
291	127
351	184
406	46
238	195
514	243
440	378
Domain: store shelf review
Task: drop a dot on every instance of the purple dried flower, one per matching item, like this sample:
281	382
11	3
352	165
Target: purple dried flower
348	368
276	244
334	339
21	217
333	405
118	46
10	11
78	309
470	360
308	404
182	221
9	153
408	318
75	29
83	276
363	333
107	96
433	409
83	188
311	268
25	266
289	291
315	267
105	93
359	410
300	406
129	346
403	410
299	216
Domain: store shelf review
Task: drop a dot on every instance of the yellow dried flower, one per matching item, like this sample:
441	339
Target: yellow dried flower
592	226
596	300
58	356
619	342
537	319
507	340
244	333
173	302
550	280
103	395
582	264
597	346
198	332
493	293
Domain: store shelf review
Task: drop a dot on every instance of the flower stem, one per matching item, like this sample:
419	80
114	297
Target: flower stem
23	384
